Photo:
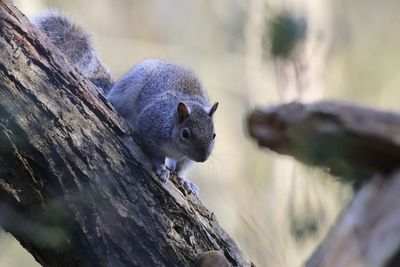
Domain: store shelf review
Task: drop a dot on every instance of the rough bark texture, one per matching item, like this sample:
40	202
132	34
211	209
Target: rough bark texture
354	143
74	189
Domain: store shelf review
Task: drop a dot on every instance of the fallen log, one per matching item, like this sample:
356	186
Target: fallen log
350	141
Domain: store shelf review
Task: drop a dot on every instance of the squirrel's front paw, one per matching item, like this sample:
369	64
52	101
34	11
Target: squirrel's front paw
191	188
163	174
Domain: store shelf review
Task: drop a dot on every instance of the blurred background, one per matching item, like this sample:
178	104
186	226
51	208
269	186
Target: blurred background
253	53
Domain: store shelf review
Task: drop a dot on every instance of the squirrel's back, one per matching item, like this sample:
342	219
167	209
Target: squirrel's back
155	79
76	45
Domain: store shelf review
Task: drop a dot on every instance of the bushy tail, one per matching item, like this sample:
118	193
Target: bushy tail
76	44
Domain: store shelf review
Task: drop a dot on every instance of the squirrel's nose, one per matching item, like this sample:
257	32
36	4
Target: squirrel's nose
203	158
203	155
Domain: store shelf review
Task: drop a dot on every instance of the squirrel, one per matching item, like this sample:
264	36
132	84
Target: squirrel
164	103
168	108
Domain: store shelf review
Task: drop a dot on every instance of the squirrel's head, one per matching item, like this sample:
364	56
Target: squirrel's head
194	131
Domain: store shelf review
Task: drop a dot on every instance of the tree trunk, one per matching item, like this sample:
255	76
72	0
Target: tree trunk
356	143
74	187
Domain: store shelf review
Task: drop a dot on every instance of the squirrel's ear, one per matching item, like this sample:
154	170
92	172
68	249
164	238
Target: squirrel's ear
183	111
213	109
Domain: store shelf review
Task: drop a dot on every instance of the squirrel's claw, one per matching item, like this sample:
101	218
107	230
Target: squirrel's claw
191	188
163	175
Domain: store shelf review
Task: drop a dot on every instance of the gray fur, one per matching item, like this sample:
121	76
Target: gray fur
148	97
76	45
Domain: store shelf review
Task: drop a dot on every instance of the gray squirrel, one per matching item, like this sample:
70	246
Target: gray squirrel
168	108
164	103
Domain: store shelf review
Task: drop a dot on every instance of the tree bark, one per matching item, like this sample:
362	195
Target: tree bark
74	185
356	143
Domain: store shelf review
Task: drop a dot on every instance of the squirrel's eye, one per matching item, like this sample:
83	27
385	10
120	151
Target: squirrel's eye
214	136
185	133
